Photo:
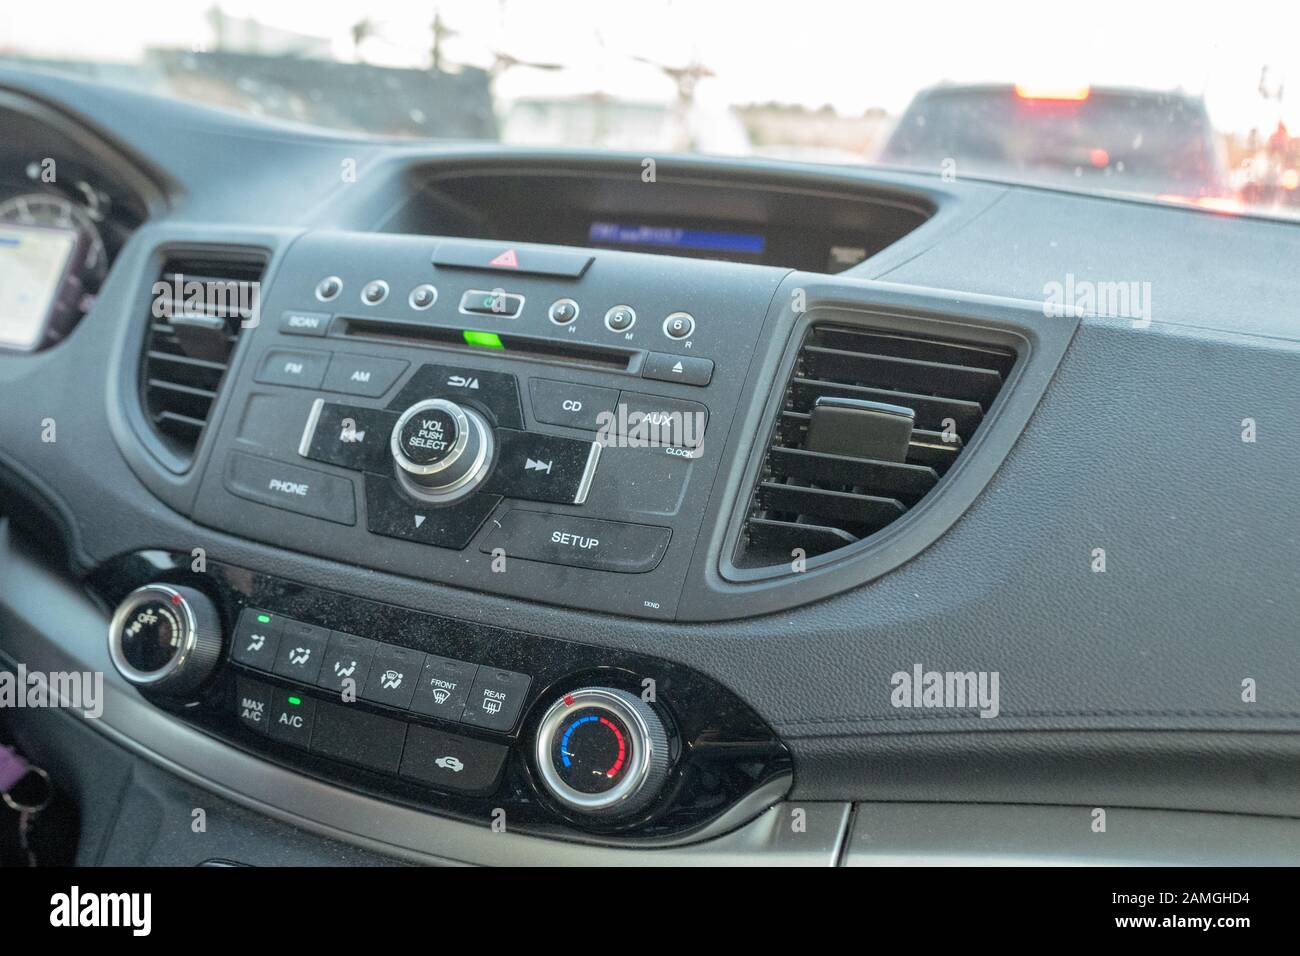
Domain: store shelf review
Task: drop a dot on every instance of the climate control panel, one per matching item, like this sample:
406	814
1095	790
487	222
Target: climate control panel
461	719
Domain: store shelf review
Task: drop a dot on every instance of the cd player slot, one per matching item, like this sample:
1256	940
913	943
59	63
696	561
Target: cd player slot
477	340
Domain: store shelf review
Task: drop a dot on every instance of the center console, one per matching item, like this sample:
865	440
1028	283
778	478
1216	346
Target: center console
588	428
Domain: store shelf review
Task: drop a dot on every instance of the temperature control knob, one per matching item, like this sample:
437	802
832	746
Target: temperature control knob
442	450
602	751
165	637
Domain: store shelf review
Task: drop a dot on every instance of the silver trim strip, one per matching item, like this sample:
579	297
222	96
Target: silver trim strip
588	474
309	432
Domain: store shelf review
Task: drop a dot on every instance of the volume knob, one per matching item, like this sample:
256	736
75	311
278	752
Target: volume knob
442	450
602	751
165	637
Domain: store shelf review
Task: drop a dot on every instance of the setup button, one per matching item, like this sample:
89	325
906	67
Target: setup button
579	542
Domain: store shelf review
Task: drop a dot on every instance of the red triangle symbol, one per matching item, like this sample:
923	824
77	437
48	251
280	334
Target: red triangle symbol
507	260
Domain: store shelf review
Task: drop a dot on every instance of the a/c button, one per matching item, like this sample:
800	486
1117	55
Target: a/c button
579	542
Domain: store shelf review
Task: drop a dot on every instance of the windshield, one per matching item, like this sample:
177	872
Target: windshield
1159	101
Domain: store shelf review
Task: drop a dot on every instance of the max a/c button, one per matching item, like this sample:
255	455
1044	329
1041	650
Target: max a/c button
579	542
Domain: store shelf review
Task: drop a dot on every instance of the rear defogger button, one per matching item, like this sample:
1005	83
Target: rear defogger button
579	542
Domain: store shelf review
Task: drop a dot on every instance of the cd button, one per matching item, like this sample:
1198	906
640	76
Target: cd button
566	403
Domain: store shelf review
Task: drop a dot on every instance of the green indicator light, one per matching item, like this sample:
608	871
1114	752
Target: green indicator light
295	701
486	340
263	619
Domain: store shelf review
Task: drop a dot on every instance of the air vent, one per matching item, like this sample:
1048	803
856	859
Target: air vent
871	421
196	312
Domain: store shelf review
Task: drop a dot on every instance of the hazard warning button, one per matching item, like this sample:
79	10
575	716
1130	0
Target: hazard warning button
495	257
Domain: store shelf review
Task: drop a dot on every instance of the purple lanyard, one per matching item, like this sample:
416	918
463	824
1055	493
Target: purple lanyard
12	769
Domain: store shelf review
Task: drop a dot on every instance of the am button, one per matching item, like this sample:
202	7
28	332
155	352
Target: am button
362	375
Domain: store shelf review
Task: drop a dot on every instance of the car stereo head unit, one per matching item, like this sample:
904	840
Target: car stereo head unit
537	421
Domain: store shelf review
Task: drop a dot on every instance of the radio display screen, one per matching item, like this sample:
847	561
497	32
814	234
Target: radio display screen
673	237
32	262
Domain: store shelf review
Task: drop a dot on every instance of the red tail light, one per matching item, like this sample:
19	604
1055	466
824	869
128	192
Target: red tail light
1069	94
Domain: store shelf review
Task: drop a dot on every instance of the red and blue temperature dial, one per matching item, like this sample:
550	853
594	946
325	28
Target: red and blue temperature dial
592	751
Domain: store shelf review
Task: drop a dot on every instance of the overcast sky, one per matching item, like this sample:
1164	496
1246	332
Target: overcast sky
853	55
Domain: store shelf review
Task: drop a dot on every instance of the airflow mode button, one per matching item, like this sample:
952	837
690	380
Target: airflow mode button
579	542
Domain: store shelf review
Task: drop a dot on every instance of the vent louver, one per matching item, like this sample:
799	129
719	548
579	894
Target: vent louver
190	341
901	406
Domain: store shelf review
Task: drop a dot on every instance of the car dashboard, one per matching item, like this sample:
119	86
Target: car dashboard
452	503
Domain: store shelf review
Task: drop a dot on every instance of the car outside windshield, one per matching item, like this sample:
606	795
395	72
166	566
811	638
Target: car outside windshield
1158	101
